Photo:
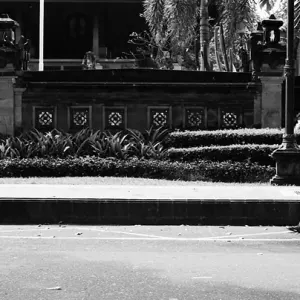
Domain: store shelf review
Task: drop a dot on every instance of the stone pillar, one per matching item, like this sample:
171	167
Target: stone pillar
18	93
19	29
257	108
7	105
298	61
96	35
271	100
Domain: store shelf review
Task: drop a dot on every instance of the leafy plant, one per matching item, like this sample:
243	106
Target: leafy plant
155	52
83	143
150	144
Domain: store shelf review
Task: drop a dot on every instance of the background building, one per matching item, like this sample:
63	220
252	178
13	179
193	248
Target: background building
73	27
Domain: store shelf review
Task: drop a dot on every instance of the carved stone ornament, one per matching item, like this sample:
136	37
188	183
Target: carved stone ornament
288	142
265	47
16	53
289	69
271	30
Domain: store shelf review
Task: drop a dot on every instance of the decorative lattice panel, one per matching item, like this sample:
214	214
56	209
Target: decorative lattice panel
159	117
115	118
44	118
194	118
230	119
80	117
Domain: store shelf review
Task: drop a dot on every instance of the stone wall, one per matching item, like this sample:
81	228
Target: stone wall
137	99
6	105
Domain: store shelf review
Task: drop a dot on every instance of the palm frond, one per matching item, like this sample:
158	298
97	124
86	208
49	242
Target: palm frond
154	14
268	4
297	15
234	12
181	16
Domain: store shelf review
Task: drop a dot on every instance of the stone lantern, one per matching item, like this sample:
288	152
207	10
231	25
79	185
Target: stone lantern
13	56
267	53
6	23
271	31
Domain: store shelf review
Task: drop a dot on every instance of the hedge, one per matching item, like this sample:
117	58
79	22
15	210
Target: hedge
95	166
248	153
225	137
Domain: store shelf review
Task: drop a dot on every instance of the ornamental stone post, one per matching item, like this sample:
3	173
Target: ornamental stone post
287	156
271	98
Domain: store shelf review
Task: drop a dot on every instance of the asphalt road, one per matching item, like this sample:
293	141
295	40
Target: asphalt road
144	262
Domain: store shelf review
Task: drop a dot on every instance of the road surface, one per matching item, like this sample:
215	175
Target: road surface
148	262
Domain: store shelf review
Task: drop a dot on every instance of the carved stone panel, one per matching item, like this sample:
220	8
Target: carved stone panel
194	118
79	117
115	118
44	118
230	118
159	117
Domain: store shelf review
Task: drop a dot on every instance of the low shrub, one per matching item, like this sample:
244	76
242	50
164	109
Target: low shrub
86	142
187	139
241	153
95	166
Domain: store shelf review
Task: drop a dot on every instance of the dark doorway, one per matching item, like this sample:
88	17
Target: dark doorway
79	37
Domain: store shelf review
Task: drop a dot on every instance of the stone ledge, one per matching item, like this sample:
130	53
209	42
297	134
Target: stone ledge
138	84
150	212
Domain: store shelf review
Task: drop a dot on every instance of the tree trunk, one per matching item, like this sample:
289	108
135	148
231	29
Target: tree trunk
216	50
204	36
223	48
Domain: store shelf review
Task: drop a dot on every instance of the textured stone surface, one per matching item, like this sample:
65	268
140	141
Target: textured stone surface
6	105
287	167
137	100
102	204
271	100
137	89
204	212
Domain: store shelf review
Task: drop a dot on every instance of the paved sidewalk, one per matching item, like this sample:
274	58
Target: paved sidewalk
148	192
121	204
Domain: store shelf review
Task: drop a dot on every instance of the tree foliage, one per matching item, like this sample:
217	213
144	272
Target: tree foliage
178	20
267	4
175	18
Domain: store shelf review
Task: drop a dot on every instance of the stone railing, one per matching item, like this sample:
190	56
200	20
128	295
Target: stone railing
76	64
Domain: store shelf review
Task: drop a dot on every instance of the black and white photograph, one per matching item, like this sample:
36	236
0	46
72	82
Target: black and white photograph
149	149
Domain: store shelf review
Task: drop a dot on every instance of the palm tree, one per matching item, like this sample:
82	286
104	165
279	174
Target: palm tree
268	4
182	20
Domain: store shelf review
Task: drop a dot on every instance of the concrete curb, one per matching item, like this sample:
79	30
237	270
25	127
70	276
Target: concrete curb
149	212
